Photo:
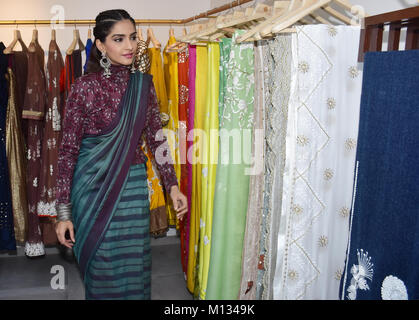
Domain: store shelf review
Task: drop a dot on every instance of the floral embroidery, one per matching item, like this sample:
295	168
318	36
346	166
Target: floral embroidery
303	67
332	31
360	274
328	174
293	275
353	72
323	241
331	103
303	140
344	212
350	144
393	288
296	209
338	274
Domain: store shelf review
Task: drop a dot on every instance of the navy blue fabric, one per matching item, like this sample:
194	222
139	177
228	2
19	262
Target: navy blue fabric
88	47
385	219
7	233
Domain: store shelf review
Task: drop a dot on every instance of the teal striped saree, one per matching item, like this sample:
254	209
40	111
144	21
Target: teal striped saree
101	189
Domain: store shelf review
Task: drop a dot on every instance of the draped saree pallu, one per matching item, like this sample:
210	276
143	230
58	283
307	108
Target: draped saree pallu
110	204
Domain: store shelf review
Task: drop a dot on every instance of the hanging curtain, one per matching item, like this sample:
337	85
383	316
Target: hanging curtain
383	248
197	157
7	232
34	111
233	174
322	134
209	165
183	82
170	61
251	242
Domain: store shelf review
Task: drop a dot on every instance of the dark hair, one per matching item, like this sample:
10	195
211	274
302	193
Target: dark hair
104	23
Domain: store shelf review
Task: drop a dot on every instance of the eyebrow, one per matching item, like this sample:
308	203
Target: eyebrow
123	35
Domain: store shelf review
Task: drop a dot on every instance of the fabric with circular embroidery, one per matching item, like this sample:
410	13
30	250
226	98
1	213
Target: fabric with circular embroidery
393	289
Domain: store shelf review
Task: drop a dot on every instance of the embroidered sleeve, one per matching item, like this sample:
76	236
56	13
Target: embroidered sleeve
72	131
157	142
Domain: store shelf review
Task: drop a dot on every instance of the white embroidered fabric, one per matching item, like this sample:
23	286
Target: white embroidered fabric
322	131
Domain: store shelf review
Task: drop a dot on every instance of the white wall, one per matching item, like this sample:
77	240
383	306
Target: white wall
88	9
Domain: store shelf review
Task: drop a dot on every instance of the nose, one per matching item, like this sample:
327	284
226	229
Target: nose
129	45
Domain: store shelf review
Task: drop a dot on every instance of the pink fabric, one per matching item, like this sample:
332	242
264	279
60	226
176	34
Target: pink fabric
190	126
91	106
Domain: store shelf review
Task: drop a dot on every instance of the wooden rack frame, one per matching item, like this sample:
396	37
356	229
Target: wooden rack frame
372	35
206	14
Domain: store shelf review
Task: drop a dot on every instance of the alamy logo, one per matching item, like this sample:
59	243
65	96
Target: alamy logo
58	280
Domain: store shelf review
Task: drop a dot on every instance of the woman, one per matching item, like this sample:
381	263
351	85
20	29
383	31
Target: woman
102	191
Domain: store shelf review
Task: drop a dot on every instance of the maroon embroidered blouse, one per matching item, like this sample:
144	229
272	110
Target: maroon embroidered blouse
91	106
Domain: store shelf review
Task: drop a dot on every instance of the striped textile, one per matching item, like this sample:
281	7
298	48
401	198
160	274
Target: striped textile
121	267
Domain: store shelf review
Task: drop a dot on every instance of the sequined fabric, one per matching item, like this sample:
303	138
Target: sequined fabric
91	106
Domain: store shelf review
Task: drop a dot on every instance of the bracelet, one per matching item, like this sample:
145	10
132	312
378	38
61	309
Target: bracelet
64	212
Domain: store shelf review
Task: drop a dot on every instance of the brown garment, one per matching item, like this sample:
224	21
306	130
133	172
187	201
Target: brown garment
34	110
50	144
71	71
15	152
19	67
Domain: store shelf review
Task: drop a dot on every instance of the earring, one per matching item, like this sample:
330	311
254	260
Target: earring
105	64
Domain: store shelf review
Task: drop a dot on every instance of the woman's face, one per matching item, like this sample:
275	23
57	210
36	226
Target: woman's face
120	44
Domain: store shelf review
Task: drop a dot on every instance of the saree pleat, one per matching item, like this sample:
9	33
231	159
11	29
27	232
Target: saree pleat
209	165
102	169
196	158
121	268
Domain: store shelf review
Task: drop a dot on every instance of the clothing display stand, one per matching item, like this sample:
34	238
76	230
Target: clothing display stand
372	35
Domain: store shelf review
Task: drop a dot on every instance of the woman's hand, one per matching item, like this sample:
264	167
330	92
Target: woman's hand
61	228
180	203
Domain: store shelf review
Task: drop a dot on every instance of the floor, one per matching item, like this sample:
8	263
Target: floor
41	278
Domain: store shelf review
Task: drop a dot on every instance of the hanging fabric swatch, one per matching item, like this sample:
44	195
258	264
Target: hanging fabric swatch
209	165
15	152
190	126
156	69
71	71
158	212
88	47
233	174
277	58
34	111
250	259
171	78
7	232
197	158
383	247
322	134
183	82
50	144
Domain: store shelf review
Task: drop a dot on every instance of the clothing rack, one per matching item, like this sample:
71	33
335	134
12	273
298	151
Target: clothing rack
207	14
372	36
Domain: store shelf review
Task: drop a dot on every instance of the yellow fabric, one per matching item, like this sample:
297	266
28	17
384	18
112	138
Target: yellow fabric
17	164
171	78
196	158
158	222
209	166
156	70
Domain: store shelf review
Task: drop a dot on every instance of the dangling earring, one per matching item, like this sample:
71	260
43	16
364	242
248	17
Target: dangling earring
105	64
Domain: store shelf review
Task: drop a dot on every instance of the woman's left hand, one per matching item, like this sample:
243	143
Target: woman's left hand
180	203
